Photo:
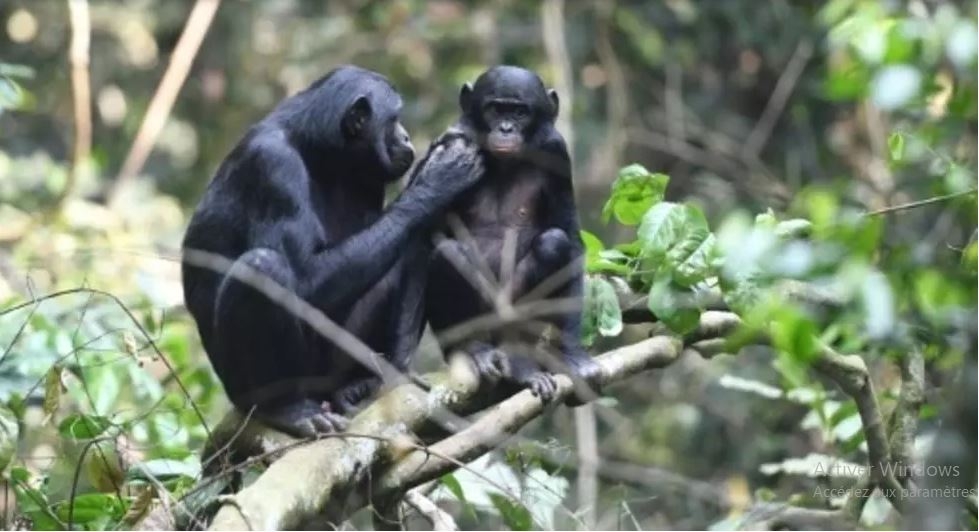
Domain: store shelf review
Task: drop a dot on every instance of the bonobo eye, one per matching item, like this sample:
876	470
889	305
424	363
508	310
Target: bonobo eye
521	111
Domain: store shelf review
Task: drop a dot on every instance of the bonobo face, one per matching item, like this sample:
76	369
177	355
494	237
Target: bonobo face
372	123
506	106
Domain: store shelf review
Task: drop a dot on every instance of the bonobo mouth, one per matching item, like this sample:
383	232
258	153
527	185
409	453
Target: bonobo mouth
401	160
503	147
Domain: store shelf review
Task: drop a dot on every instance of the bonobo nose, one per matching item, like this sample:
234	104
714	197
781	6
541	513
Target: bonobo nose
506	127
405	137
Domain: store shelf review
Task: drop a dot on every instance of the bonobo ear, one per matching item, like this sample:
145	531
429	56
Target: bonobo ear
554	100
356	117
465	97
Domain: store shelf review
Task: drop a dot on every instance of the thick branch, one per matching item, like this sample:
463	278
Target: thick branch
312	481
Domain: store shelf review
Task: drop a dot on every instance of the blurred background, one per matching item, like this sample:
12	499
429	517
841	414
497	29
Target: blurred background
746	104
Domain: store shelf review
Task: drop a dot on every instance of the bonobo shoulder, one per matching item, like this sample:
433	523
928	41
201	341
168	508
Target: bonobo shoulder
271	145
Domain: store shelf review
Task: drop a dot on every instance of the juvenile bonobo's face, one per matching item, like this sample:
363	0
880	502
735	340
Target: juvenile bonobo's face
373	123
506	106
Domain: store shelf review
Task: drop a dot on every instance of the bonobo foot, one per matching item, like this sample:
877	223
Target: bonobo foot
587	377
491	363
304	419
540	383
346	398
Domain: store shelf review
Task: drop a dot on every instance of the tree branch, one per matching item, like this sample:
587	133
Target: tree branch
312	481
329	479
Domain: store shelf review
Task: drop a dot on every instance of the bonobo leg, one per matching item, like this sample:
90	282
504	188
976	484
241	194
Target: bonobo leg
548	270
548	258
453	298
263	352
491	363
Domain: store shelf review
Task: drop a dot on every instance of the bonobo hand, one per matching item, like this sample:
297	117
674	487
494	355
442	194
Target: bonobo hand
453	165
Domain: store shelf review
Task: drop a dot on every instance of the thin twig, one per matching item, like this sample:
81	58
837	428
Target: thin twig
776	103
920	203
166	93
439	518
81	90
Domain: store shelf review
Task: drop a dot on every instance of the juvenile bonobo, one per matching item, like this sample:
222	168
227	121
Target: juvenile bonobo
526	199
299	200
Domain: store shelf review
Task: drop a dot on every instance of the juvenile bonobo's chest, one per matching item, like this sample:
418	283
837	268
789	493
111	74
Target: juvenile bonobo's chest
505	199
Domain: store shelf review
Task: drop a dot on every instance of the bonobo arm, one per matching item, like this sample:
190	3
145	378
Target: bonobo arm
562	213
345	270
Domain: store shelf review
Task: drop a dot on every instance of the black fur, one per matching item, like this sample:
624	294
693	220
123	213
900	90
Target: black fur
527	191
300	200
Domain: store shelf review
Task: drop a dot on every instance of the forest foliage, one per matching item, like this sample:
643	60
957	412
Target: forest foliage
724	154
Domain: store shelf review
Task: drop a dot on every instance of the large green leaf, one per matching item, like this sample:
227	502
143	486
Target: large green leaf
677	241
634	191
672	307
697	264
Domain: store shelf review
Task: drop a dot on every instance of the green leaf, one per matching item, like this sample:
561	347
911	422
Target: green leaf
453	485
795	334
697	265
766	219
630	249
797	227
677	241
593	244
661	228
674	311
742	294
514	514
602	314
601	260
895	145
93	509
609	312
83	427
634	191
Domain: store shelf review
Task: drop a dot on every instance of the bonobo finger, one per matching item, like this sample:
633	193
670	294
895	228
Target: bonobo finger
329	422
303	429
487	369
501	363
544	386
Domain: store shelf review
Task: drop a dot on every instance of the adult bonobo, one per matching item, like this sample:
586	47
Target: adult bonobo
522	225
300	200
